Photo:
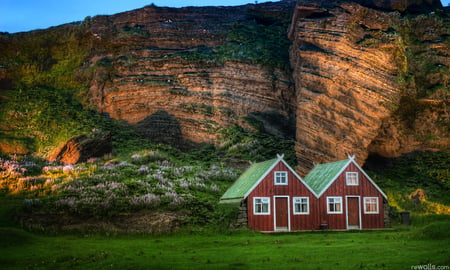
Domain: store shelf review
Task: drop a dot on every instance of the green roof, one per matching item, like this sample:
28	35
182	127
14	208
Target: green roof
321	176
246	181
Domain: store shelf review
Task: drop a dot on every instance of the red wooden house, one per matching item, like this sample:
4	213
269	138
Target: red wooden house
275	197
338	195
347	197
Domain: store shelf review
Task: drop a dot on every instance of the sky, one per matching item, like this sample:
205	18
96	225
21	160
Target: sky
27	15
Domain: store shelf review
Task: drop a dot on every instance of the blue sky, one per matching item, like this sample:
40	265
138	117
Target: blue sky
26	15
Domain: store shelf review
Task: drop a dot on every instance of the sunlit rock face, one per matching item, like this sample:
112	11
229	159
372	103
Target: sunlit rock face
160	68
358	81
344	86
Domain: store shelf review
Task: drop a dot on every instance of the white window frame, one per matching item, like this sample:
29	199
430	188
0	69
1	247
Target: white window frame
267	201
280	175
294	202
367	201
340	202
349	175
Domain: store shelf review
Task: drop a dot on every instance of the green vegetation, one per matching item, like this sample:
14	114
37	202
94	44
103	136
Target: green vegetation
141	176
400	249
255	145
418	182
252	42
47	58
44	119
134	31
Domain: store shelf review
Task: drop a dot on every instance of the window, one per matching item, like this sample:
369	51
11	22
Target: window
301	205
261	206
334	205
352	178
281	178
371	205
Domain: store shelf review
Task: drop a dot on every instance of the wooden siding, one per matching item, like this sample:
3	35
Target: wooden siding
339	188
294	188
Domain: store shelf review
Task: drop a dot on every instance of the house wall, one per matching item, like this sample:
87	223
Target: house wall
295	188
339	188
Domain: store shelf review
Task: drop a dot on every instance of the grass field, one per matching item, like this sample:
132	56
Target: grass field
400	248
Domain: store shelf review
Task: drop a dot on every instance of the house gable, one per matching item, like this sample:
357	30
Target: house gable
290	171
281	199
323	176
351	197
253	176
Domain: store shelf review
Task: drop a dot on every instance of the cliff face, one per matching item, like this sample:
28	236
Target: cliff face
353	68
356	77
179	74
344	88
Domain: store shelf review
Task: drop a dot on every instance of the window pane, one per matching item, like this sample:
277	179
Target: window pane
280	178
371	205
265	208
352	178
261	205
334	205
330	207
304	208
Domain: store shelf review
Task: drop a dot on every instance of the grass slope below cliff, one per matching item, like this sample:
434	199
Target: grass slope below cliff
417	182
39	120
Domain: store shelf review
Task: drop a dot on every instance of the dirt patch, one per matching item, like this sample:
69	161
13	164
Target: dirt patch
141	222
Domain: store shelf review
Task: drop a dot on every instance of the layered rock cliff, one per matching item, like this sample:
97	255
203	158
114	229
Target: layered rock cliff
351	66
356	77
171	75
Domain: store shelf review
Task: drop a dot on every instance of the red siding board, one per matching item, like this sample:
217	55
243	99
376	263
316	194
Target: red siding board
294	188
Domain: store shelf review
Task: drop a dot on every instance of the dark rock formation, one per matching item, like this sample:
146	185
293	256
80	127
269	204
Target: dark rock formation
84	147
414	6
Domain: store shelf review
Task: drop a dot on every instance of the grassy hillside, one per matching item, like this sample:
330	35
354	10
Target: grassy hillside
38	120
150	177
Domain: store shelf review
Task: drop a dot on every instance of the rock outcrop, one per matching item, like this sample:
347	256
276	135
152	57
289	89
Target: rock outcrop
344	87
167	75
350	65
84	147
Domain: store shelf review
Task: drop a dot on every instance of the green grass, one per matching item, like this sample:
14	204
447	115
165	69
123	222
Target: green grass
425	242
239	250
